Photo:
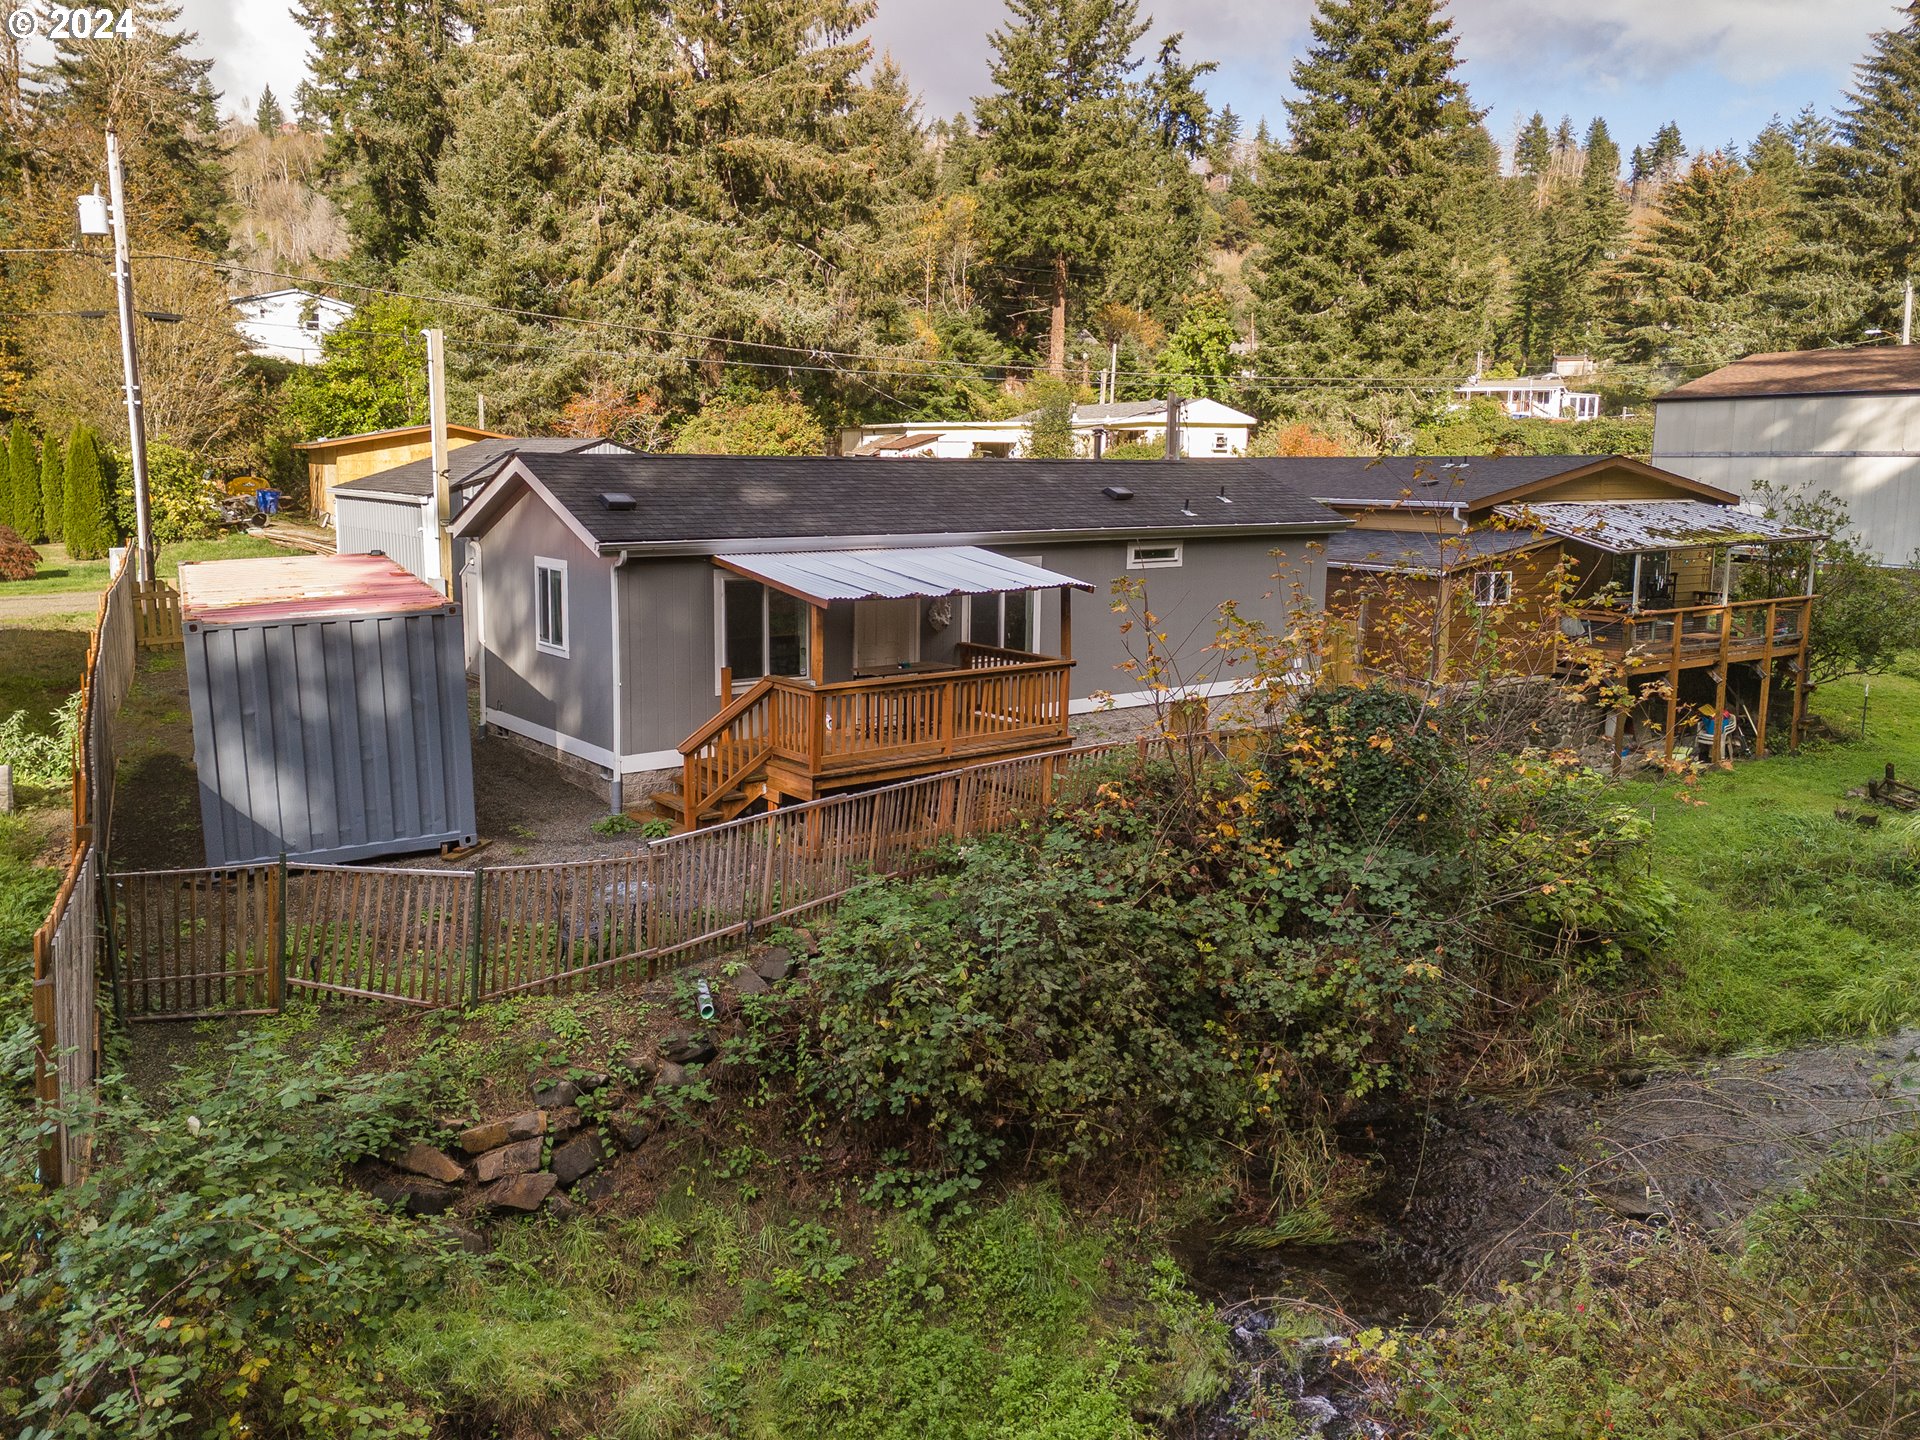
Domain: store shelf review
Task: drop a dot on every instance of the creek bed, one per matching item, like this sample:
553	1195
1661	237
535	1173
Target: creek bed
1475	1190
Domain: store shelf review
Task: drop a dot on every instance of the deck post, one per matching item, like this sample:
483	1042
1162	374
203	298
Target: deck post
1720	687
817	643
1066	622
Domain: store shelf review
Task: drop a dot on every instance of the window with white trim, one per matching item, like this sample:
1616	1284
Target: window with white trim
550	628
1005	622
1153	555
1493	587
763	631
1219	442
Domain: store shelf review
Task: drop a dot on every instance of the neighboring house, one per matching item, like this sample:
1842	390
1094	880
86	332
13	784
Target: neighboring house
788	627
289	324
1638	562
1805	421
1537	397
336	460
391	512
1207	429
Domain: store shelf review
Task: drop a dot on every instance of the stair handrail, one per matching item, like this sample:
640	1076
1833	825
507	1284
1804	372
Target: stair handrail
694	795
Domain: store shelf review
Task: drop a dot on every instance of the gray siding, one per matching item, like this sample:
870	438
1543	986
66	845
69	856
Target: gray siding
364	524
667	621
328	740
569	695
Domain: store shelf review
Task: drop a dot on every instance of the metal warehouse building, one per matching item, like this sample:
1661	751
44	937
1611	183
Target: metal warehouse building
329	709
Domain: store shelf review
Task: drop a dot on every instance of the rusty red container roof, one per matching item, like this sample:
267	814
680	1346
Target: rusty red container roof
301	587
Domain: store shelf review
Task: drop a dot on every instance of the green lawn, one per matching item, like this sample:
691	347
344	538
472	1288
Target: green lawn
1795	923
58	575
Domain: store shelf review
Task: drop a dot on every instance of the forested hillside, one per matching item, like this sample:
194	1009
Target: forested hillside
632	217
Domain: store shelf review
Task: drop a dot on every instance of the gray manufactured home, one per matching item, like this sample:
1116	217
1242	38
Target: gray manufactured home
780	628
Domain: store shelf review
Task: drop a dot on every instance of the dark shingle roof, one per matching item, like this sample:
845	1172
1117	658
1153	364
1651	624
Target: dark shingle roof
1422	553
467	465
1423	479
694	499
1868	370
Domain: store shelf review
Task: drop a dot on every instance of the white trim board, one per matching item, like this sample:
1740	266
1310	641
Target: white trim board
585	749
1133	699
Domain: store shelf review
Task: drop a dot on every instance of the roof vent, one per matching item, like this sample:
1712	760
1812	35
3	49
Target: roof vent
614	500
1223	497
1117	492
1186	509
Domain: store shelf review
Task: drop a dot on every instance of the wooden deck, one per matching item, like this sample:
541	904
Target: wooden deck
788	739
1709	637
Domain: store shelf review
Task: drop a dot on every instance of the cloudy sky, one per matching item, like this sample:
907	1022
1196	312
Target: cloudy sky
1719	67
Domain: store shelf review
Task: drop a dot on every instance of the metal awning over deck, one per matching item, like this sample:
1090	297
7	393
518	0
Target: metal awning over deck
1623	527
822	576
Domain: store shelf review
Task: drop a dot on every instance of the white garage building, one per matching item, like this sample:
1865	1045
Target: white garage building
1847	421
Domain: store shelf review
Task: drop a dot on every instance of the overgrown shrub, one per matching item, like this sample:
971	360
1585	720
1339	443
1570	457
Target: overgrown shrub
18	559
1192	952
180	499
40	756
211	1276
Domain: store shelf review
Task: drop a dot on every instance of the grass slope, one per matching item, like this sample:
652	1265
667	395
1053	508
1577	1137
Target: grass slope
1794	923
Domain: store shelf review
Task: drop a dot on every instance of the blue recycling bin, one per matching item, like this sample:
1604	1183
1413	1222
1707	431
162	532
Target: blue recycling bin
267	502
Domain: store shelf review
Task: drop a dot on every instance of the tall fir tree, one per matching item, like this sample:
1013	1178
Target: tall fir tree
15	435
1056	130
268	117
88	525
701	179
1866	184
53	488
1374	222
155	92
383	73
23	477
1695	290
1533	148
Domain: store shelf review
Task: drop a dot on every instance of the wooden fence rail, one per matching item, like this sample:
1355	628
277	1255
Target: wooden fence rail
157	611
200	942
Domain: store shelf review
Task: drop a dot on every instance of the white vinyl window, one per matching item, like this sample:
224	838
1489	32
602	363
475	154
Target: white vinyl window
1493	587
762	631
550	628
1220	442
1153	555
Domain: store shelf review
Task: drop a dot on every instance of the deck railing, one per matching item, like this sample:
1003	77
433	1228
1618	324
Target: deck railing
841	730
1691	634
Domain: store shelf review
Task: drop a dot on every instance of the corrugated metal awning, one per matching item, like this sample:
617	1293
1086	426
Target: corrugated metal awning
1623	527
820	576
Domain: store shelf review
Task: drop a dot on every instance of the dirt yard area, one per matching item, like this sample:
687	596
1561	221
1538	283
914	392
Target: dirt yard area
528	809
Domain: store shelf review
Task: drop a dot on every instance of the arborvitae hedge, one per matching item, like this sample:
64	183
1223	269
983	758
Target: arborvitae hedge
53	487
23	479
89	519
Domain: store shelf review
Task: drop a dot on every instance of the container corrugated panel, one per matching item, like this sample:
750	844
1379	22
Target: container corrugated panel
331	739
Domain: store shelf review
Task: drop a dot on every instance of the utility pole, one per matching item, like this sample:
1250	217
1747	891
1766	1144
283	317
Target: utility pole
1906	314
442	549
130	364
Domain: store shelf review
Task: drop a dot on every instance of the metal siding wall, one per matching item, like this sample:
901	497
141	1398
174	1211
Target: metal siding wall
330	739
1778	440
573	696
363	525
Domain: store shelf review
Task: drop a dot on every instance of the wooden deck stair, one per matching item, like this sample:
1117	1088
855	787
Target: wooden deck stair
789	739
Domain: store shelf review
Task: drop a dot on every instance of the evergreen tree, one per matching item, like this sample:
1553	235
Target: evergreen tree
1867	181
1160	216
1198	358
383	73
1050	423
155	93
1694	291
1657	163
17	433
23	477
268	117
53	488
88	526
1375	221
1056	131
1533	148
702	182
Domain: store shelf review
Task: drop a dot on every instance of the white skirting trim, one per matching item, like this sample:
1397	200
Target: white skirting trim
565	744
651	760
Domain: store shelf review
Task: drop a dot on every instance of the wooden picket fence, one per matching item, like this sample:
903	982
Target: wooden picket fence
193	943
157	617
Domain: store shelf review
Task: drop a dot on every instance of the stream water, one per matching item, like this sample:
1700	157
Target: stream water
1475	1189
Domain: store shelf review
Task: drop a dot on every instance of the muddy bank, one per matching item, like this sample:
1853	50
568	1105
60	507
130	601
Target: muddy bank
1474	1190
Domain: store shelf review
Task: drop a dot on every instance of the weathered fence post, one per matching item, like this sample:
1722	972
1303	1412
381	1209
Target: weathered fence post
277	900
478	940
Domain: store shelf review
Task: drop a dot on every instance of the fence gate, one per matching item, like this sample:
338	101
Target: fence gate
380	933
190	943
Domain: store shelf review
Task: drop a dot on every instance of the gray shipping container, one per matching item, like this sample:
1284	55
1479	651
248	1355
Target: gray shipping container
329	709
